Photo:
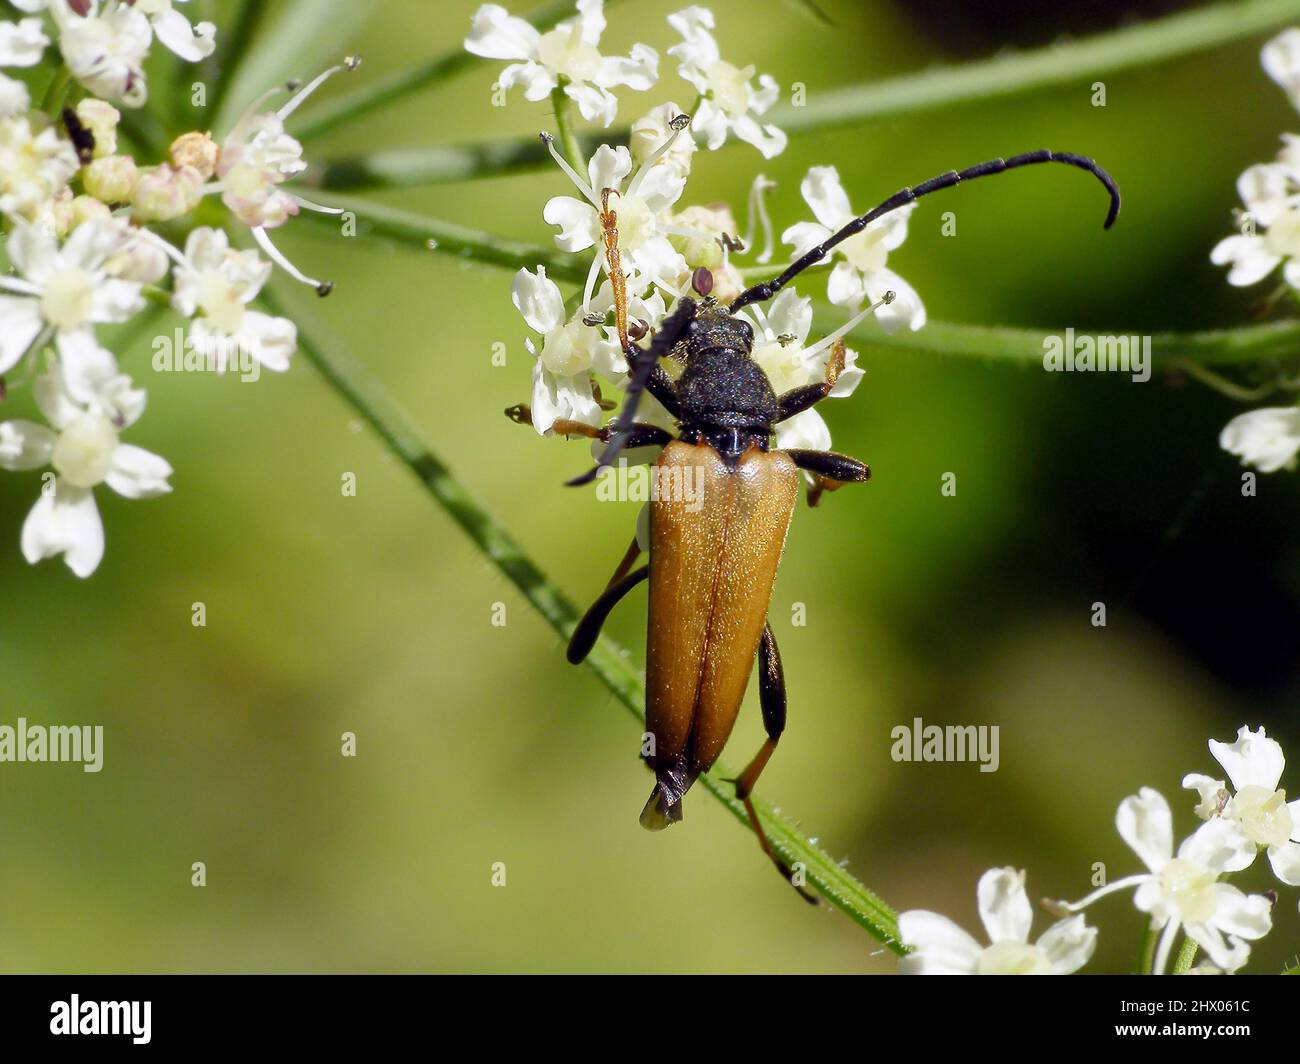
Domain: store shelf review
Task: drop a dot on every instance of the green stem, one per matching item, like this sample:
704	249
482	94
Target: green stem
52	101
1012	346
1146	955
1081	62
564	129
1186	957
353	381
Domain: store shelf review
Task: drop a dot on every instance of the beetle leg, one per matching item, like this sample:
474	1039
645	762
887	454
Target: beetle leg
639	435
584	636
641	365
625	566
771	690
797	400
830	471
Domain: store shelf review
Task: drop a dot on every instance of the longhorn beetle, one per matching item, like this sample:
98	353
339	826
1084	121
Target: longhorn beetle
712	567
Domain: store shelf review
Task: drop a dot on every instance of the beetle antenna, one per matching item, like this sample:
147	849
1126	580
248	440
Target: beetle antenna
760	292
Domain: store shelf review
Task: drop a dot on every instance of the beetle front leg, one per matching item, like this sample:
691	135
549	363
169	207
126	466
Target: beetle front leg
797	400
771	691
830	471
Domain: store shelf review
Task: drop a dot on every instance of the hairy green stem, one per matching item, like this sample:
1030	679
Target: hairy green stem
1132	47
1186	957
1012	346
356	385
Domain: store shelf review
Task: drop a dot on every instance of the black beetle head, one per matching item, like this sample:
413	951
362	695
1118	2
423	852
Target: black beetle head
715	327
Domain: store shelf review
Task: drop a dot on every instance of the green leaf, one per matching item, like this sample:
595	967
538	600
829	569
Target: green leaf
1102	55
363	391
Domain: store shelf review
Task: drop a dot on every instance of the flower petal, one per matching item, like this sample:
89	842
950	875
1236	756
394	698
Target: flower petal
1146	824
939	946
1219	845
1247	916
1254	759
1004	905
495	34
577	221
1068	944
137	473
25	445
20	324
538	299
824	193
65	521
1285	859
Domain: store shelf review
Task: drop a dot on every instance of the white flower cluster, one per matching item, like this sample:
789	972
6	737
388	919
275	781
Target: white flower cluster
1268	238
662	242
78	212
1181	889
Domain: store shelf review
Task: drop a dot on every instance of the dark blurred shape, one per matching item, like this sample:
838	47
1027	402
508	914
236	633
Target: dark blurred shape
964	29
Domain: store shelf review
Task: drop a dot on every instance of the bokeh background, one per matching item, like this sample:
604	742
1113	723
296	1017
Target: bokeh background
478	744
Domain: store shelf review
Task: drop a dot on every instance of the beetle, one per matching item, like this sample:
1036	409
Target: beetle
712	566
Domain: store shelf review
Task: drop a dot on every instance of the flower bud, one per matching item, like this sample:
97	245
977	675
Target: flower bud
85	208
164	193
196	150
100	120
111	179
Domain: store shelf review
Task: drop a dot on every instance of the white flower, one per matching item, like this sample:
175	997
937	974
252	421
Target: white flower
190	42
568	55
256	158
1267	438
860	274
214	285
1280	58
105	50
780	336
34	166
570	352
84	449
61	291
22	44
654	131
643	207
1183	890
1254	255
729	102
940	947
1254	764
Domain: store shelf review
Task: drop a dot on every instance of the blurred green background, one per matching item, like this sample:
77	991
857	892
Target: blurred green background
478	744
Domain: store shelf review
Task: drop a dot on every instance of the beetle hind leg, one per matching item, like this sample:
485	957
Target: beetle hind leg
771	689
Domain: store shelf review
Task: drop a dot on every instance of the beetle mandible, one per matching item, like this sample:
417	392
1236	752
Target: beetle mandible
712	567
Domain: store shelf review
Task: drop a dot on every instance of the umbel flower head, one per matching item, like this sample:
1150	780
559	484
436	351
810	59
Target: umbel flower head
728	99
82	446
1182	889
567	56
941	947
